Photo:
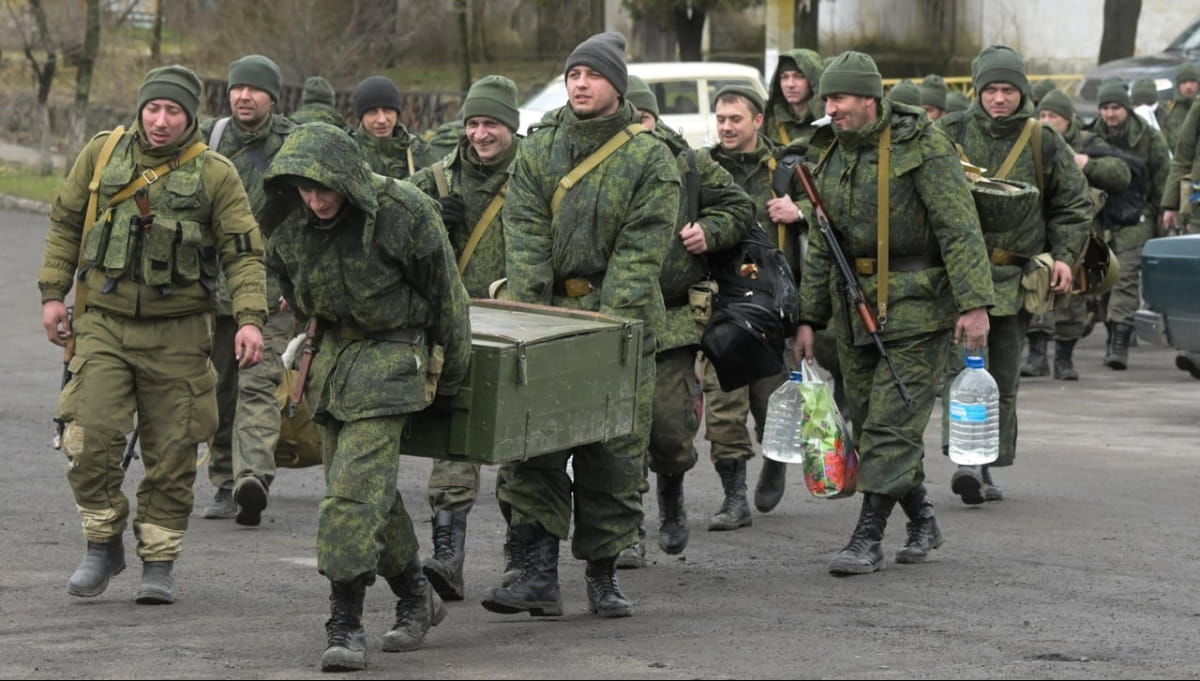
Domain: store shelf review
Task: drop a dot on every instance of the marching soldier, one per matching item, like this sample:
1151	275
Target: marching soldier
389	147
317	104
792	104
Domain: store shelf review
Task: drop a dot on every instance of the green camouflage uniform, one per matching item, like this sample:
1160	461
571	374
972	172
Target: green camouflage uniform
1147	145
725	212
444	139
144	346
781	124
318	104
612	228
1185	162
1066	214
454	485
382	265
1177	111
248	426
931	212
389	155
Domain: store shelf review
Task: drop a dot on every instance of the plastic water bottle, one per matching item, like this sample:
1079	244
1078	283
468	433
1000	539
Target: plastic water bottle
782	440
974	416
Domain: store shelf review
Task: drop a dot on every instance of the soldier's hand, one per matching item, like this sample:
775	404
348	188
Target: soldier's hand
454	209
972	328
1081	160
248	346
784	211
802	344
57	322
1060	277
283	305
1170	222
693	238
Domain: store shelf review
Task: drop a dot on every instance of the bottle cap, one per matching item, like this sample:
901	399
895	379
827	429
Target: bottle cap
797	376
974	362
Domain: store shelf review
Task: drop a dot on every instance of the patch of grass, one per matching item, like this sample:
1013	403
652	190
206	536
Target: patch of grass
25	182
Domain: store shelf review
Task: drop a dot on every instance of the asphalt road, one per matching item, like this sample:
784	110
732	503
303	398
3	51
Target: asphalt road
1087	569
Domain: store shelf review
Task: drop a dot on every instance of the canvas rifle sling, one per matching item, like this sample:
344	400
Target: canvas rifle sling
883	221
481	227
588	164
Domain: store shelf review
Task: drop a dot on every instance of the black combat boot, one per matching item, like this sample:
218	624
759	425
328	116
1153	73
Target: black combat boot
513	550
1036	364
771	481
1189	362
735	512
604	593
417	609
102	561
223	506
991	492
923	532
158	586
672	517
347	649
1064	367
864	554
536	589
250	495
967	483
445	569
634	556
1117	358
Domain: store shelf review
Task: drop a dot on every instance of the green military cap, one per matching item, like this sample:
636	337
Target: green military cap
905	92
494	97
1143	91
757	105
641	96
933	91
1042	88
256	71
852	73
1187	72
1058	102
318	90
956	100
999	64
1113	91
176	83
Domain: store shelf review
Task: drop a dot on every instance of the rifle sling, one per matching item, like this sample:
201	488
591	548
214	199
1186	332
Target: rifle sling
89	217
485	221
152	175
883	220
589	164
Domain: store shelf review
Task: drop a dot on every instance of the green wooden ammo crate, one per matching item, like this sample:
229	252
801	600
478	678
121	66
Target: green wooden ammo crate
542	379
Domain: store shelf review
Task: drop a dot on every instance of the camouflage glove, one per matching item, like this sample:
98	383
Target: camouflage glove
454	209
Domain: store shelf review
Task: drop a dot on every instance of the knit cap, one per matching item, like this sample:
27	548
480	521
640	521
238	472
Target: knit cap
641	96
176	83
852	73
999	64
1057	101
934	91
1187	72
256	71
377	92
1113	91
756	101
956	101
605	54
905	92
318	90
494	97
1042	88
1143	91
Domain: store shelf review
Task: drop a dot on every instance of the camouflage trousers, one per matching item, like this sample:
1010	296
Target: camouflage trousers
158	368
1064	324
675	420
1005	342
889	437
1125	298
609	478
453	486
363	529
248	430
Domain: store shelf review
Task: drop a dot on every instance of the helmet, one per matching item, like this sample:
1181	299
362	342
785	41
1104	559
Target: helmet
1099	270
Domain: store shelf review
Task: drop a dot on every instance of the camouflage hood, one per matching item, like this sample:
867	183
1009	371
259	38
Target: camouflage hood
809	63
328	156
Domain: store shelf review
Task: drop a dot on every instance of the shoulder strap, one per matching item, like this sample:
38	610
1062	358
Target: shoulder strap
150	176
1037	158
485	221
883	220
218	131
412	166
589	164
439	179
1031	124
784	137
89	217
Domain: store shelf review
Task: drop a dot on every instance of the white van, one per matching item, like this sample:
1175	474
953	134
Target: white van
684	90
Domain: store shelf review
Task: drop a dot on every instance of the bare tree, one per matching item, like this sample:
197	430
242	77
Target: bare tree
805	30
463	8
160	10
43	71
1120	29
85	67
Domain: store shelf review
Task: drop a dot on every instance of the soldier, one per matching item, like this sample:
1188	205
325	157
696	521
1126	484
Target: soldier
905	92
1187	85
598	246
956	101
1041	89
939	275
368	257
988	133
933	96
318	104
1104	172
724	214
475	181
242	454
389	147
445	138
1143	92
1185	163
142	344
792	105
1118	125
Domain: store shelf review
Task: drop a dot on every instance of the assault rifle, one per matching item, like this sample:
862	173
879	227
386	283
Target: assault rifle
304	365
854	290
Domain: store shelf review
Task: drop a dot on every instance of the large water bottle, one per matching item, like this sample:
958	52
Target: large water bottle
781	436
974	416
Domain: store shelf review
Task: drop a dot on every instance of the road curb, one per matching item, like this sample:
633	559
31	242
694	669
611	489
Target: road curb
8	202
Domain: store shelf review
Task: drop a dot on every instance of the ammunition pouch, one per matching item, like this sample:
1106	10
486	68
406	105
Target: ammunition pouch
700	300
1035	284
433	372
577	287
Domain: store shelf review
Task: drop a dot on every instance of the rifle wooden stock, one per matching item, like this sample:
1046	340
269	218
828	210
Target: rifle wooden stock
306	358
854	290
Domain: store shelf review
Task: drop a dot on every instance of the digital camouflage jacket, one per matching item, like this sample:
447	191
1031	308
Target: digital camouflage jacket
1146	144
1185	162
781	124
389	155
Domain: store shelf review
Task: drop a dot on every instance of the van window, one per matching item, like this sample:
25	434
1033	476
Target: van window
677	96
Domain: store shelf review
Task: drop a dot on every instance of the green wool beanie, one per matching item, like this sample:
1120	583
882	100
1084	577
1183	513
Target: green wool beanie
377	92
641	97
956	100
604	53
1143	91
176	83
852	73
1113	91
1187	72
494	97
1042	88
934	91
905	92
999	64
318	90
256	71
757	105
1058	102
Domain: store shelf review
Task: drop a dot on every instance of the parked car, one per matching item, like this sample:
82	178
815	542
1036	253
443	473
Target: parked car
684	90
1161	67
1170	280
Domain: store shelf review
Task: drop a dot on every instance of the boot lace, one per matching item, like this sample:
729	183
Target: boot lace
443	542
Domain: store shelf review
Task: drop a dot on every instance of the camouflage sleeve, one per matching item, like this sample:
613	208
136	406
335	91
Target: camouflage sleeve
432	270
1067	206
423	180
1158	164
726	210
527	236
1186	147
1108	173
239	241
61	257
631	279
275	265
946	195
816	305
